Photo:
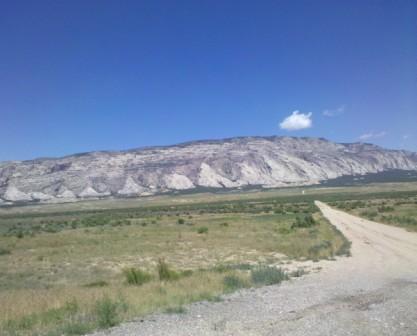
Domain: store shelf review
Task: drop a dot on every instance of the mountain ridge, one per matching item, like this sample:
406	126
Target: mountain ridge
236	162
191	142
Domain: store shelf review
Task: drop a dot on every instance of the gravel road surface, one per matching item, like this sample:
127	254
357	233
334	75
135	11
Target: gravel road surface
373	292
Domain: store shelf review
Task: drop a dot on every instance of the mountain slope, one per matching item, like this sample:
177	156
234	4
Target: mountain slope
229	163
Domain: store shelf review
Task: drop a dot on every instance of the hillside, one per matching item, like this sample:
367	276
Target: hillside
230	163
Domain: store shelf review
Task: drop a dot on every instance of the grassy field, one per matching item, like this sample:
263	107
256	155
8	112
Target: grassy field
74	271
399	211
283	195
70	269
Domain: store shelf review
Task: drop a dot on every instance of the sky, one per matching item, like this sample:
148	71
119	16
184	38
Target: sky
78	75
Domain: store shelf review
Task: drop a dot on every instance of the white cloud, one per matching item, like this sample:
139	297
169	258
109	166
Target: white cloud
297	121
334	112
406	136
372	135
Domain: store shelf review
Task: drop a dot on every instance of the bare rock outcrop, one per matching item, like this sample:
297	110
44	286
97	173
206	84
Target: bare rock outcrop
230	163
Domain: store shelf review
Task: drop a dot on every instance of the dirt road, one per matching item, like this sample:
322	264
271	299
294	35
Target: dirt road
373	292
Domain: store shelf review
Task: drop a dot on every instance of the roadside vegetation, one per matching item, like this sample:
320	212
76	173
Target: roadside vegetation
400	210
72	272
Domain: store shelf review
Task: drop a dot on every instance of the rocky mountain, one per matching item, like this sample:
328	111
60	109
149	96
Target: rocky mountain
229	163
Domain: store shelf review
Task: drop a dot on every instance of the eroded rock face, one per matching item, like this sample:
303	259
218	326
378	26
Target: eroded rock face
13	194
229	163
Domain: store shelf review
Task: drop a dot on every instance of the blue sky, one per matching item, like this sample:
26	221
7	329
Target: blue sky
83	75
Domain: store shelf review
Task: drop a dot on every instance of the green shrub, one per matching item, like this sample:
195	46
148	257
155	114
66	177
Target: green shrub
165	273
176	310
23	323
203	229
233	282
344	249
284	230
405	220
242	266
186	273
4	251
304	222
299	272
315	250
265	275
98	283
107	312
222	268
180	221
76	328
385	208
371	214
135	276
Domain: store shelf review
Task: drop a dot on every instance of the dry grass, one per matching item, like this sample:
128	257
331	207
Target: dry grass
77	256
208	197
141	299
48	280
399	211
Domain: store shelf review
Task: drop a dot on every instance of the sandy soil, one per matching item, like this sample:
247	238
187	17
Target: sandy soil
373	292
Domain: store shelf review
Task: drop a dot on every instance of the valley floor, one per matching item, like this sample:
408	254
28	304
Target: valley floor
373	292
